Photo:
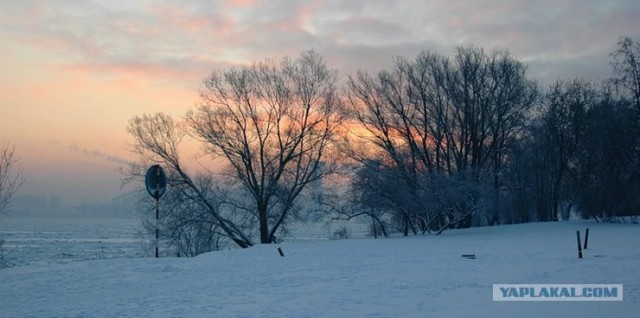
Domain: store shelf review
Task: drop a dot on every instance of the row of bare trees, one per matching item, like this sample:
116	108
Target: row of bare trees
471	140
431	143
586	144
437	121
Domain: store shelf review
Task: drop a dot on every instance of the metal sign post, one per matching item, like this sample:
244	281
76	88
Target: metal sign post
157	228
156	184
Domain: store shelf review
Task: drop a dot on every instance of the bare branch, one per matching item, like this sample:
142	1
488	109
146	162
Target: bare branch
10	175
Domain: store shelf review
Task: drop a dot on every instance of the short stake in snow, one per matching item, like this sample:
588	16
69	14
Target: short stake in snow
586	238
579	245
280	251
156	183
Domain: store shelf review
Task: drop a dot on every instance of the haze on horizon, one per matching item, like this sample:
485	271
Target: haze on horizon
75	72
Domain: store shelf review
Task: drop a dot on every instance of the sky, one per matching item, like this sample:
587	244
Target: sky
74	72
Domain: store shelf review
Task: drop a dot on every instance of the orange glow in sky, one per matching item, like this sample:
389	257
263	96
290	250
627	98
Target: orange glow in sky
73	73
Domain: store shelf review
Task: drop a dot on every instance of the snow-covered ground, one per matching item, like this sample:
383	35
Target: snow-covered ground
55	240
420	276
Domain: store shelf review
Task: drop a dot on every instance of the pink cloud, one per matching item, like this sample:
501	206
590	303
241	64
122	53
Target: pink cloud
303	15
242	3
180	18
306	12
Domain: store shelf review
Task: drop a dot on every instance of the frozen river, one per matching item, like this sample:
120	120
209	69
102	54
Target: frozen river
56	240
38	240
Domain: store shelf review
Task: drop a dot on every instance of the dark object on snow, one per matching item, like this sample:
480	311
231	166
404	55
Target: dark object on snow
586	239
579	245
469	256
280	251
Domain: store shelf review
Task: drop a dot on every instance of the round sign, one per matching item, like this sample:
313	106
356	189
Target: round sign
156	181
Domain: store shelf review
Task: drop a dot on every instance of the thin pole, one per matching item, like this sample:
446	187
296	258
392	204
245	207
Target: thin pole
157	226
586	238
157	196
579	245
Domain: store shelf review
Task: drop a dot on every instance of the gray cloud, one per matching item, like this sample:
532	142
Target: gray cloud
558	38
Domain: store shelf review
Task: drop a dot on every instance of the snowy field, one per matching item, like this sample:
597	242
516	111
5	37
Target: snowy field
421	276
51	240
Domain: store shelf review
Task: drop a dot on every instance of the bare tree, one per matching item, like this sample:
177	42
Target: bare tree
563	127
273	123
157	139
10	175
439	116
10	181
626	68
604	178
472	109
381	107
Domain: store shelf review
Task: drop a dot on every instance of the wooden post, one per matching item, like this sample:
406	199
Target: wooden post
579	245
586	238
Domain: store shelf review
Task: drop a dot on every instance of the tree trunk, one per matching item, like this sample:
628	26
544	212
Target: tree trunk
373	224
264	226
406	225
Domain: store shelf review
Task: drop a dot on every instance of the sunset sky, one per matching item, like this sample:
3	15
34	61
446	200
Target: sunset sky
72	73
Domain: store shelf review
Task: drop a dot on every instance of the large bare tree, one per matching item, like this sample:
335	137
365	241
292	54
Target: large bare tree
273	123
626	68
563	127
442	116
157	138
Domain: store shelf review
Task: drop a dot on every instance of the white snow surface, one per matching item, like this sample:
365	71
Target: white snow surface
417	276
